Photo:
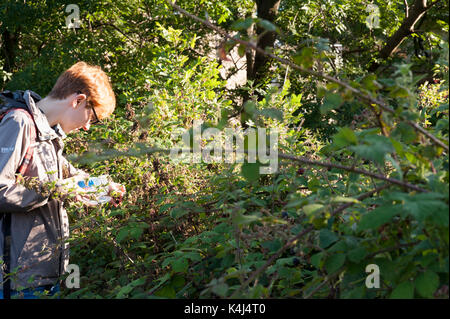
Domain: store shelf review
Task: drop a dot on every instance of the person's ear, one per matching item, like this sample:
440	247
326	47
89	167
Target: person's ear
78	99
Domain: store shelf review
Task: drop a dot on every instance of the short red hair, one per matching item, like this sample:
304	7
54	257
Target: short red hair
89	80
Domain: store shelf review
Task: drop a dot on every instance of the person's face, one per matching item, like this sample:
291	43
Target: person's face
78	115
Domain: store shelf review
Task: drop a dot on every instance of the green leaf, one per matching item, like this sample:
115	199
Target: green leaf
370	83
305	58
166	292
224	114
250	171
128	288
399	92
378	217
272	246
241	219
375	148
316	259
331	102
250	107
314	184
342	199
296	203
334	262
357	254
405	290
123	233
404	132
326	238
178	212
425	206
241	50
269	26
180	265
272	113
136	232
312	208
220	289
427	283
344	137
242	24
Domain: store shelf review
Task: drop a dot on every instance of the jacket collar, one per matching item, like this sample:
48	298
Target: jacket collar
45	132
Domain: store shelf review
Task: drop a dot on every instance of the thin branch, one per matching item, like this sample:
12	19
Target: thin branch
150	150
389	249
405	2
352	169
360	198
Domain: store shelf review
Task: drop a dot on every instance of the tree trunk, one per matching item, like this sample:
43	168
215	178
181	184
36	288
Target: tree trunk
413	15
267	10
8	50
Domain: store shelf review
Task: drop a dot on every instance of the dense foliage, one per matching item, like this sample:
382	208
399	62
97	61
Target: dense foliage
358	181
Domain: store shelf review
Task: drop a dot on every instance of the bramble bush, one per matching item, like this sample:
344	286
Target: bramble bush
358	181
202	230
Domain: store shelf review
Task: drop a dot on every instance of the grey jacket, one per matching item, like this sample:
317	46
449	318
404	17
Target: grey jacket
39	225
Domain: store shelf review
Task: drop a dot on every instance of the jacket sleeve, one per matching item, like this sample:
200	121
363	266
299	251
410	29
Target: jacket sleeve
14	141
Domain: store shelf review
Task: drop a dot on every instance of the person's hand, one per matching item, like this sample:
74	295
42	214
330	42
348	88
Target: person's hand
68	188
86	200
116	191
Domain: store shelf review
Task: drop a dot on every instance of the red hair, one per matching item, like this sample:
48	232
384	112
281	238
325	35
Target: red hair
89	80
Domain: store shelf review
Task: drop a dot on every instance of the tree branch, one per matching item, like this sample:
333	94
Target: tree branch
413	15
